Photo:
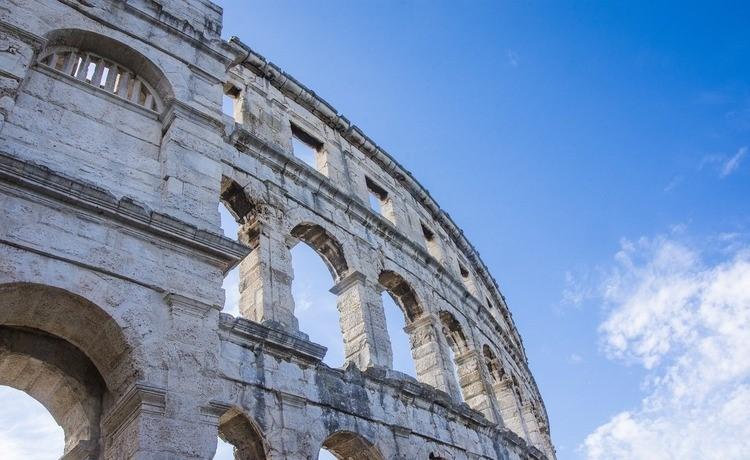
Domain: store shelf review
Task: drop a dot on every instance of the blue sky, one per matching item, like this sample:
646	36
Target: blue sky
596	155
575	143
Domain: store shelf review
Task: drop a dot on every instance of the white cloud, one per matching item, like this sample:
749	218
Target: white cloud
733	163
683	315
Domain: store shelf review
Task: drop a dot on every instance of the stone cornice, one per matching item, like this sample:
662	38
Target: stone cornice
276	341
87	197
25	35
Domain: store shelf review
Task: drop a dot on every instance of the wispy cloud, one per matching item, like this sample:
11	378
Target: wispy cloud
575	358
725	165
512	58
673	183
687	322
733	162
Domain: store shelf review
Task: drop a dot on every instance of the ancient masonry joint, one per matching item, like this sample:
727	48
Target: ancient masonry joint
114	157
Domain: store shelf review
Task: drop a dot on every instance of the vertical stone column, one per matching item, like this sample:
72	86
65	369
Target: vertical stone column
431	356
473	386
509	409
266	276
366	341
532	426
190	157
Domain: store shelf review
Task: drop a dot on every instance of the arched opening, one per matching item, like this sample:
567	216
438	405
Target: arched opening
27	429
317	263
43	332
401	309
346	445
239	438
235	211
109	65
58	376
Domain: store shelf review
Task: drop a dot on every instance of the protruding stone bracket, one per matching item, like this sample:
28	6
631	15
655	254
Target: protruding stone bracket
140	398
275	341
348	281
213	411
185	305
292	400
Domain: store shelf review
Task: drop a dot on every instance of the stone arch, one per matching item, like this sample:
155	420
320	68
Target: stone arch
347	445
61	378
118	53
76	320
239	430
402	293
67	353
326	245
234	197
454	333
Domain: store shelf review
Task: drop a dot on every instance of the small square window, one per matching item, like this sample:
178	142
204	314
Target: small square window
377	196
230	99
305	147
431	242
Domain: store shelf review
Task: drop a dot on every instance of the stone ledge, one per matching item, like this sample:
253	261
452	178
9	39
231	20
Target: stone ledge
252	334
85	196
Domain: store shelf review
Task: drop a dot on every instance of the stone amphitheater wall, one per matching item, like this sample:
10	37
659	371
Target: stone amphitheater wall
114	156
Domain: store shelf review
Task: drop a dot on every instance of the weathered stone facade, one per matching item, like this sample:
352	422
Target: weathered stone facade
114	156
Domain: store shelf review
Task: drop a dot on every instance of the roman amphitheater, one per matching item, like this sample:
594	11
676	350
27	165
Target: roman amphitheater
115	154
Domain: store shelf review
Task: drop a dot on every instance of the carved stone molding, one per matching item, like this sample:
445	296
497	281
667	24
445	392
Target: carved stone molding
141	398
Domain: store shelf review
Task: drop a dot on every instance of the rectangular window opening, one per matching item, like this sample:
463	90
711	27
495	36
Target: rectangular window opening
429	236
377	195
431	242
305	147
230	99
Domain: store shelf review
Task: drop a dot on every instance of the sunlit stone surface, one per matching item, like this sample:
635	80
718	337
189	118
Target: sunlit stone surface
115	155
